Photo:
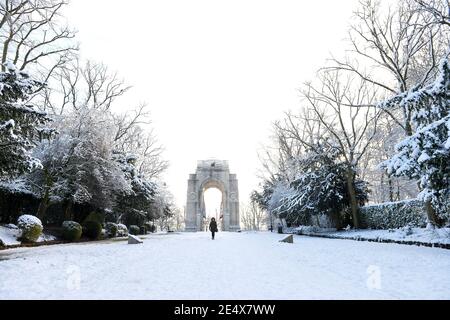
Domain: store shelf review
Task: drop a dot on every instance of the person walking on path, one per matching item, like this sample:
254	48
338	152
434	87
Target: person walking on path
213	227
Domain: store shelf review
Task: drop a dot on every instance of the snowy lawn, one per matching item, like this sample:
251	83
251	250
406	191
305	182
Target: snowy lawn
419	235
235	266
9	236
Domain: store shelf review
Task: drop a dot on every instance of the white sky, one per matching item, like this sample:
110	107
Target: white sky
215	74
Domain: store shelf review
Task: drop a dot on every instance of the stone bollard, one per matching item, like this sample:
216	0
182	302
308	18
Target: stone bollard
289	239
134	240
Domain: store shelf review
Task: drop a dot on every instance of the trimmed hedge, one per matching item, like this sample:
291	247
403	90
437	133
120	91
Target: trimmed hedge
92	229
111	229
71	230
122	230
150	227
31	228
134	230
394	215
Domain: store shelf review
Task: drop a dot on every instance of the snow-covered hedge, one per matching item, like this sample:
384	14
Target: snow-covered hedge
72	230
134	230
31	227
111	229
394	215
92	229
122	230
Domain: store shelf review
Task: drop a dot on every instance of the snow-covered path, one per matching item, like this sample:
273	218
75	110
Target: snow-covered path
235	266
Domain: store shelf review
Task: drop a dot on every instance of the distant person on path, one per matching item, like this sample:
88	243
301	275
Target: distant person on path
213	227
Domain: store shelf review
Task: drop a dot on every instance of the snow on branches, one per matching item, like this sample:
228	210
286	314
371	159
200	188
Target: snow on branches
425	155
21	125
320	186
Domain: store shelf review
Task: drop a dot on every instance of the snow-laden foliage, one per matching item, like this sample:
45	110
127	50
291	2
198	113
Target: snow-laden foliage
17	186
262	198
268	198
425	155
21	125
122	230
281	191
111	229
31	227
393	215
137	205
70	224
78	165
27	221
319	188
71	230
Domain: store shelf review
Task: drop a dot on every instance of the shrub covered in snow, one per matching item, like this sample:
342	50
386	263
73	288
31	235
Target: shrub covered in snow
31	227
150	227
122	230
72	230
92	229
111	229
134	230
143	230
306	230
394	215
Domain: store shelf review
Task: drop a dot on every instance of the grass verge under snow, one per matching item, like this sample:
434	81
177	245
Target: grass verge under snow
414	236
235	266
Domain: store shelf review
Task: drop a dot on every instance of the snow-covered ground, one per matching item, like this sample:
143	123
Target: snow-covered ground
418	235
235	266
9	236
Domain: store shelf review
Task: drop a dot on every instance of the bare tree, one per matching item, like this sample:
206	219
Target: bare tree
33	33
83	87
384	187
292	135
439	9
350	130
145	144
176	222
252	217
401	47
90	85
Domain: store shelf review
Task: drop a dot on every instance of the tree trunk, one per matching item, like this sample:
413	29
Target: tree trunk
391	190
68	212
431	214
45	202
43	206
353	201
398	191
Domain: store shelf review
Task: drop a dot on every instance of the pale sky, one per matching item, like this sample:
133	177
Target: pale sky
215	74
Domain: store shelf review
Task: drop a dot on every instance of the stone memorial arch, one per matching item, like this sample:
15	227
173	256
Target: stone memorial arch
212	174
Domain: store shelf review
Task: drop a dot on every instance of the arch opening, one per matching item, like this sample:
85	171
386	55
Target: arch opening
213	200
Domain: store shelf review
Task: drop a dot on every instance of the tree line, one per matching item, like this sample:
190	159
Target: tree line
373	124
64	152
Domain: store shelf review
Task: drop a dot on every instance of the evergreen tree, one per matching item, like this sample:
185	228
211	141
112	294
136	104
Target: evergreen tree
21	125
425	156
137	206
320	187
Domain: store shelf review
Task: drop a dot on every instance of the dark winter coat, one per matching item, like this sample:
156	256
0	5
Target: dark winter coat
213	226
